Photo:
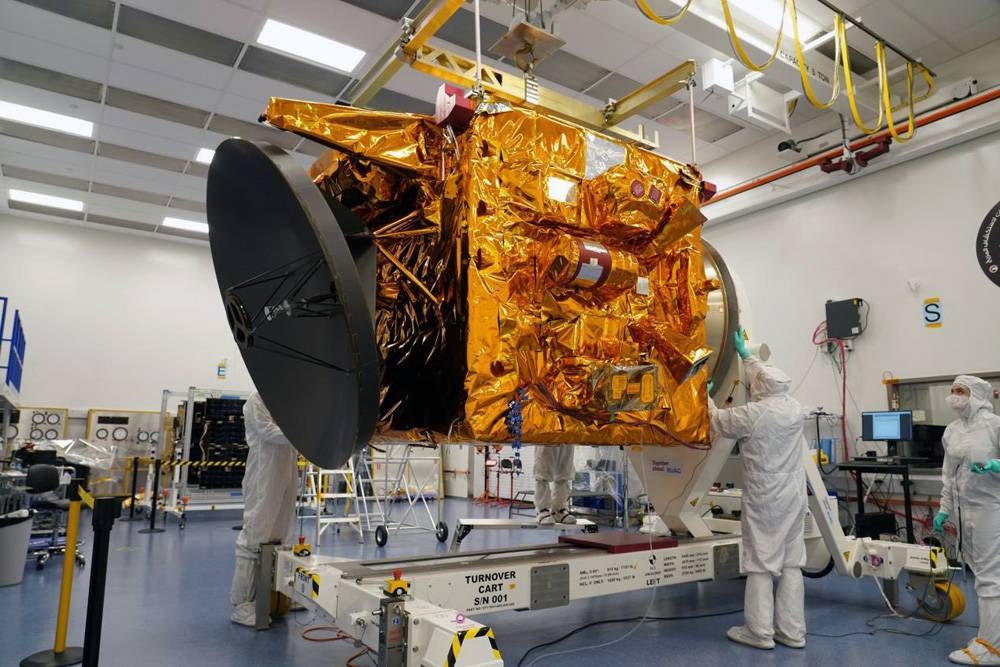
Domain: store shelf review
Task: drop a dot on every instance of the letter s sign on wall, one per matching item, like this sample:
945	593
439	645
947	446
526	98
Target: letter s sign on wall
932	313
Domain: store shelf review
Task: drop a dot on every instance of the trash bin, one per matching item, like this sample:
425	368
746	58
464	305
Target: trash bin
15	531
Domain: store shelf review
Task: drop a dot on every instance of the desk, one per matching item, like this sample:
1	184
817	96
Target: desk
884	468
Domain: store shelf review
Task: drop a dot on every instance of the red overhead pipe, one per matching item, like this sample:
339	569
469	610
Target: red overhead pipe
920	121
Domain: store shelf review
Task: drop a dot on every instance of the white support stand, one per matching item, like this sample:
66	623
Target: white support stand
322	486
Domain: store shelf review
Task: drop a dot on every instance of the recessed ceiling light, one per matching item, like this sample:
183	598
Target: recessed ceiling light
45	200
46	119
309	45
189	225
205	156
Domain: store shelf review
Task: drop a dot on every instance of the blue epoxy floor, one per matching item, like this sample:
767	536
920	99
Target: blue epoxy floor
167	605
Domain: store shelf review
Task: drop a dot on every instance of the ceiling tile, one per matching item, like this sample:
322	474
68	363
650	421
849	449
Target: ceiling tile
177	36
937	54
11	171
118	222
861	63
170	231
390	100
154	58
125	154
707	126
984	32
130	121
571	71
461	31
55	57
126	76
391	9
897	25
197	169
613	87
48	27
231	127
948	18
47	137
129	193
39	77
596	41
187	204
95	12
229	19
282	68
152	106
46	210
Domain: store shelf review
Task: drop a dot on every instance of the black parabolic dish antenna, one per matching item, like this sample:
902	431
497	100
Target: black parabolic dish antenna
297	277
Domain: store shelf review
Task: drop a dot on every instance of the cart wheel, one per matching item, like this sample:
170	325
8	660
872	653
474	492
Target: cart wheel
40	561
182	521
818	574
81	561
381	536
442	532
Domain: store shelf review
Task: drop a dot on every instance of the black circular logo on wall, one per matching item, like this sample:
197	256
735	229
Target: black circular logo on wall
988	245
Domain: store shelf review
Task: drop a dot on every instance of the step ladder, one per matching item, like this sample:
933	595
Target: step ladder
323	490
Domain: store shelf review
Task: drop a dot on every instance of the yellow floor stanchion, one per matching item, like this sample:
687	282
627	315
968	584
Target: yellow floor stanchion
60	654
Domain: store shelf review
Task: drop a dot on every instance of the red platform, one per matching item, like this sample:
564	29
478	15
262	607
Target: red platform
619	542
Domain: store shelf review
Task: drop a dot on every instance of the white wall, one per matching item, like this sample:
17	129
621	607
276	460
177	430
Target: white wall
112	319
866	238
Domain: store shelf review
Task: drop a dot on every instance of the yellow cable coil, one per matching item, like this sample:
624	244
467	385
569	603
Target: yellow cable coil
887	100
806	86
738	45
845	58
885	107
662	20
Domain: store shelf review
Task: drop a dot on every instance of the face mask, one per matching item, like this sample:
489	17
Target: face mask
958	403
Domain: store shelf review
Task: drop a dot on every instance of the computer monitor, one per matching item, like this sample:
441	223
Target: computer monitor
894	425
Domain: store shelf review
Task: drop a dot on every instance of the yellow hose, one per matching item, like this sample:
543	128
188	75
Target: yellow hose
738	45
845	59
806	86
883	74
662	20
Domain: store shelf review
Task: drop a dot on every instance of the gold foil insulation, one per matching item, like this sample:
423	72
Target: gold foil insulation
525	252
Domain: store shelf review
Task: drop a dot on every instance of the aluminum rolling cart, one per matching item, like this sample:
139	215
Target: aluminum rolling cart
392	490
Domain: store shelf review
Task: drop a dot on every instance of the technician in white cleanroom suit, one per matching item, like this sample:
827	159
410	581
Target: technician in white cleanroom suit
554	472
772	447
270	485
970	492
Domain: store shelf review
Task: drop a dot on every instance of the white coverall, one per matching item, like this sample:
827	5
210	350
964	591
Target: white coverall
270	485
554	471
973	503
772	448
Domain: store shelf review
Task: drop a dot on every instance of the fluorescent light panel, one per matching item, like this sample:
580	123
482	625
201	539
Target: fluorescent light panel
205	156
45	200
47	119
310	46
189	225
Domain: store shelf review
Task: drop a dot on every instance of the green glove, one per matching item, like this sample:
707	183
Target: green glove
740	343
993	465
710	386
939	520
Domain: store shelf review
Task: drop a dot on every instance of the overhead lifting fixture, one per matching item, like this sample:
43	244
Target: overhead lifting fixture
412	47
